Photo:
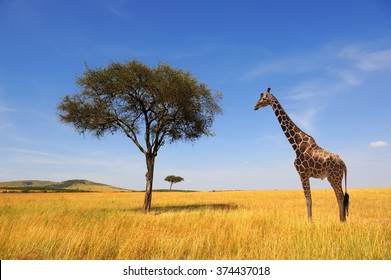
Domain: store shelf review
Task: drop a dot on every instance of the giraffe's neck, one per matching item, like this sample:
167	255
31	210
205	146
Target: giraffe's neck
296	137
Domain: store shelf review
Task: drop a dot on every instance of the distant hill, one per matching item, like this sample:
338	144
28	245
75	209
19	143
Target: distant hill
65	186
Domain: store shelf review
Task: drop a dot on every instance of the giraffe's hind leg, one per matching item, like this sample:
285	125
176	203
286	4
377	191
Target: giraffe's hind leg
336	184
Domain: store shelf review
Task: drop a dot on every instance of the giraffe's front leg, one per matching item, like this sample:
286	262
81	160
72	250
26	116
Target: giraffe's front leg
305	182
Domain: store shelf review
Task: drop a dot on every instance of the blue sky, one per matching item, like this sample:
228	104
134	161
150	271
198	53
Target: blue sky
328	63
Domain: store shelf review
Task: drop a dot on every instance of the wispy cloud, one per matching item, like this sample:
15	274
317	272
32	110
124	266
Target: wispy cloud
29	152
340	64
118	12
4	126
306	100
4	108
378	144
358	62
22	11
323	73
295	63
303	91
367	61
349	77
305	119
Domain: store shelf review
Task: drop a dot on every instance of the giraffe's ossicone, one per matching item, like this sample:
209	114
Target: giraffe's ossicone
311	160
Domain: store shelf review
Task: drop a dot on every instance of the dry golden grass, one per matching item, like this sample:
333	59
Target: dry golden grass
204	225
95	188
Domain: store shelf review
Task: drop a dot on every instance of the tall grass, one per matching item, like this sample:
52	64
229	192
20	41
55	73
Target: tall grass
204	225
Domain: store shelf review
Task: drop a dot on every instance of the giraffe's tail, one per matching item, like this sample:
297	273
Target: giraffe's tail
346	196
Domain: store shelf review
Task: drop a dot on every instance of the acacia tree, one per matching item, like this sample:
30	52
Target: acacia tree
150	106
173	180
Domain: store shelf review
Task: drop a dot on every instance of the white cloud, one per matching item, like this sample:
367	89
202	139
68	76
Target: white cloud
305	119
344	65
378	144
293	64
368	61
303	91
4	108
306	100
332	70
350	77
4	126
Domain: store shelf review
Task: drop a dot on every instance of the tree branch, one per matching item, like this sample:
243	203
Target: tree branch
130	133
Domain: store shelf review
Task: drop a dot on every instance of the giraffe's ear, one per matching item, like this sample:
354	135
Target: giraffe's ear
268	90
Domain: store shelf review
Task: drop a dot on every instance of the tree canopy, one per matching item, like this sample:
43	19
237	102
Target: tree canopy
173	179
151	106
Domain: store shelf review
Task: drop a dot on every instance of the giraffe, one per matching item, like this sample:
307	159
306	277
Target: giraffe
311	160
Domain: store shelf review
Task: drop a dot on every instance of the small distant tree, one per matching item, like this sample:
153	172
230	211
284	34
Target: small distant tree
173	180
150	106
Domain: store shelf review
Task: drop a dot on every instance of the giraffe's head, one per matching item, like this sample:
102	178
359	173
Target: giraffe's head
265	100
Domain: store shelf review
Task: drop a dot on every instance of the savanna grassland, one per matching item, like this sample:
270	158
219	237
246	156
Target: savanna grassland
197	225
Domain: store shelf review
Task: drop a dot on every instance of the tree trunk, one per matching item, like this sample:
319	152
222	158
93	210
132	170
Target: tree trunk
171	185
150	159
